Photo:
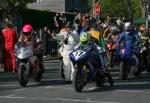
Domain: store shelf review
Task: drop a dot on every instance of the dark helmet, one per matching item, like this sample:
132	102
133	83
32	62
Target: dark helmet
67	24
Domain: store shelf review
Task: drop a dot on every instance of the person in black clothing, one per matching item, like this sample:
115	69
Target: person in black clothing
45	41
2	50
57	22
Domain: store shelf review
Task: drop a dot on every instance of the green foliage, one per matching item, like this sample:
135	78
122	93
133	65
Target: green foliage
137	9
116	8
18	3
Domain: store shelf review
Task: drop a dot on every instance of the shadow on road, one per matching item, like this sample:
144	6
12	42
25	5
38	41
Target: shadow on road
52	78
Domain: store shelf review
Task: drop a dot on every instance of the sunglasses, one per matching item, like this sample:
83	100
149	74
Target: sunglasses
27	33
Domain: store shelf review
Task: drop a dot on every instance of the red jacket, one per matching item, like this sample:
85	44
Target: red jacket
10	38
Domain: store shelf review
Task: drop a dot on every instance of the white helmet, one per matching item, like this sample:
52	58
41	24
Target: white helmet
128	27
38	40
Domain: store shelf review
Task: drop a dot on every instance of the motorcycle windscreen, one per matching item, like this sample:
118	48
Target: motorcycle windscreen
25	52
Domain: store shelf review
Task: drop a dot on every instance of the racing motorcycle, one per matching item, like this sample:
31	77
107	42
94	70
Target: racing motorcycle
144	59
28	64
86	68
111	50
129	61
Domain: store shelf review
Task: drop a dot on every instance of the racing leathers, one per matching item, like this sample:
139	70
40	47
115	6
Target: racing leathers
130	39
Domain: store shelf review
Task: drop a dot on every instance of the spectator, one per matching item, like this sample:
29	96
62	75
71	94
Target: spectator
92	20
45	40
77	25
10	38
57	22
1	50
78	17
119	21
53	46
85	26
62	19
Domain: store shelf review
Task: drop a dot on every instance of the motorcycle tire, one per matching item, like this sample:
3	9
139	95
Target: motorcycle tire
100	79
23	79
110	79
123	70
141	68
110	60
148	64
61	70
39	77
78	81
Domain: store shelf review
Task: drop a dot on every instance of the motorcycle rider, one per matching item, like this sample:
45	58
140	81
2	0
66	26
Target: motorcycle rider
87	39
145	39
69	39
28	39
98	39
130	38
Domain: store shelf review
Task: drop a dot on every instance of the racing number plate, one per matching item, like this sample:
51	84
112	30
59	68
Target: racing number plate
77	54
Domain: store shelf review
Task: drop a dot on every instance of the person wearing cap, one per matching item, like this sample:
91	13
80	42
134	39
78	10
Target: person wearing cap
69	39
10	38
85	26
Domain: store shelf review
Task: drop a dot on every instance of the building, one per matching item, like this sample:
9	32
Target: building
71	5
61	5
3	4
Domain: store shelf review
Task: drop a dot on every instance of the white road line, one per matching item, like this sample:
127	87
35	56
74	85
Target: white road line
55	99
51	61
17	90
8	85
93	88
132	91
8	76
68	88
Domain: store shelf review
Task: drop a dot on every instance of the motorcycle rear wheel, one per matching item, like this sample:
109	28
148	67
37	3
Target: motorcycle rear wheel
100	79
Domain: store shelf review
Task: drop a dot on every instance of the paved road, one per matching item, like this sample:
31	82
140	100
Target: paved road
53	89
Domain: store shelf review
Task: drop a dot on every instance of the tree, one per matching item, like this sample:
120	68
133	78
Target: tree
130	10
15	4
12	10
123	8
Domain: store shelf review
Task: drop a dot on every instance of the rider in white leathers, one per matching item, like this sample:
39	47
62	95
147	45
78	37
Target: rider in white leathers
69	39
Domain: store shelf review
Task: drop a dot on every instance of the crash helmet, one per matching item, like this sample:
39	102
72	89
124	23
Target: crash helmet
27	29
84	38
128	27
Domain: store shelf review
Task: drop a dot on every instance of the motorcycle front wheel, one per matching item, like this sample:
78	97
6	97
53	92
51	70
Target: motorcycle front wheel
23	79
124	69
110	60
78	79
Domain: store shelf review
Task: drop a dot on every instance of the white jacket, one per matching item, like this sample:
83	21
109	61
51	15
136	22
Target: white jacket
73	39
